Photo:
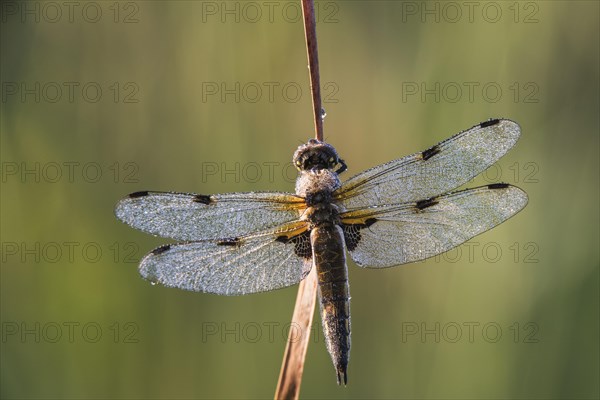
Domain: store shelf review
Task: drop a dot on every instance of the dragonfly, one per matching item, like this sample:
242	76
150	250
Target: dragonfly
399	212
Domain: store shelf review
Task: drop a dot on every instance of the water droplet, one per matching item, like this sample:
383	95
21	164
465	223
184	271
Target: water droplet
323	114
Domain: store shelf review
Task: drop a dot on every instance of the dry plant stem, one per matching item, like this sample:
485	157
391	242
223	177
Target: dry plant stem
310	32
290	376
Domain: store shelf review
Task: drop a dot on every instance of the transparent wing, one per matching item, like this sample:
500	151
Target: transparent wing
380	237
187	216
434	171
233	266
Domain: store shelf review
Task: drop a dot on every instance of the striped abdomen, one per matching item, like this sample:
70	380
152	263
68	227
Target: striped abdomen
329	257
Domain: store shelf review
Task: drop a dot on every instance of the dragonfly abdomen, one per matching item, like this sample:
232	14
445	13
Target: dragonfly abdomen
329	257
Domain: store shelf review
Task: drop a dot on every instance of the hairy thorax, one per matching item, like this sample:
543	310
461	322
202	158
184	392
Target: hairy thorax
312	183
317	187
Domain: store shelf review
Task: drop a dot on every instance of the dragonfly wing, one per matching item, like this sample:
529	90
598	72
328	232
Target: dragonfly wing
191	217
234	266
380	237
434	171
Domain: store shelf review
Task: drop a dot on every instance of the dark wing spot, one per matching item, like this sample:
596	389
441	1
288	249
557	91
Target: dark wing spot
430	152
369	222
282	239
302	246
161	249
138	194
498	186
352	234
235	241
489	122
202	198
423	204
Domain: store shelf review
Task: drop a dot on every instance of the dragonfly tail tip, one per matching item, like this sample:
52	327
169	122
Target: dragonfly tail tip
342	372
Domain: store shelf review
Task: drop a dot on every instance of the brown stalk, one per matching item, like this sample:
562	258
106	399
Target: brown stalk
292	367
310	32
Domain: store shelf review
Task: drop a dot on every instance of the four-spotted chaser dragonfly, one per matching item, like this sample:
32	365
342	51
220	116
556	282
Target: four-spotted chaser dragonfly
392	214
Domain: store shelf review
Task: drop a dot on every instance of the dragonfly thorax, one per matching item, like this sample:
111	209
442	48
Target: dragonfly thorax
322	214
317	186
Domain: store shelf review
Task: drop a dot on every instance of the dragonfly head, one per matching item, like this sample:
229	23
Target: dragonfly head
315	155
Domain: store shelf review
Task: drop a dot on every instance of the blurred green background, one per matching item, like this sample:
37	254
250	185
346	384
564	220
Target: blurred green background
101	99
